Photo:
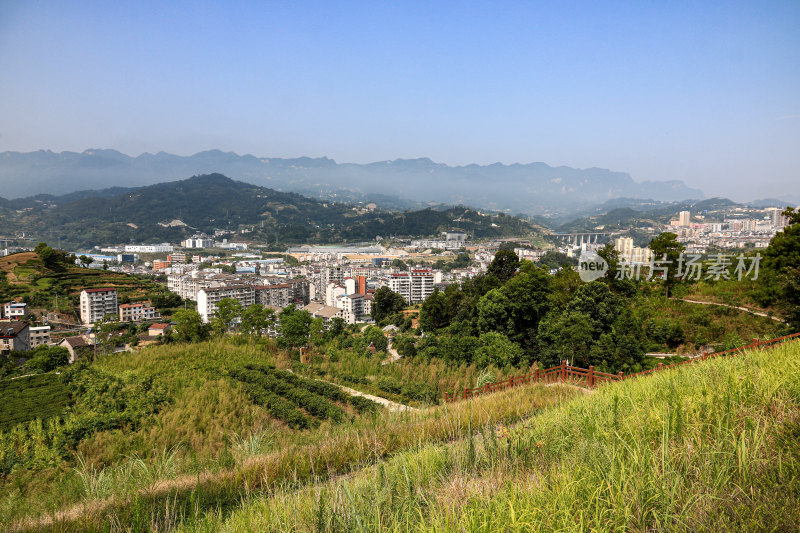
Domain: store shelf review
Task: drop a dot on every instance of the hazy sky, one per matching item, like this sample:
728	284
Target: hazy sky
705	92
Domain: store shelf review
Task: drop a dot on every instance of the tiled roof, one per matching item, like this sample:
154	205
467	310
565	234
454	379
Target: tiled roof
12	329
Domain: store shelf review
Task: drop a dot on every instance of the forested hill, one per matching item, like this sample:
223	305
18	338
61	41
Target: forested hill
172	211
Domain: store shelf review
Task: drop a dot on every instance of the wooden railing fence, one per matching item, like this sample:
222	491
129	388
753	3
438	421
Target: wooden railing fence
590	378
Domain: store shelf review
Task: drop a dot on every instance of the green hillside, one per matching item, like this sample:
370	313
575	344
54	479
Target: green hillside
208	202
25	275
706	447
709	447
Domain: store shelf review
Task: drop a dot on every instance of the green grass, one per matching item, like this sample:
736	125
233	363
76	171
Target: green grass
41	396
219	435
708	447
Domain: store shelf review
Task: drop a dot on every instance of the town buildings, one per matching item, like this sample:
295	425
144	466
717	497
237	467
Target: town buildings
38	335
14	310
14	335
207	299
138	312
97	303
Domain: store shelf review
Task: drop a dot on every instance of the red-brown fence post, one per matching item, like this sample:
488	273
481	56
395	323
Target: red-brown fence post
446	395
536	375
620	376
591	376
660	366
465	393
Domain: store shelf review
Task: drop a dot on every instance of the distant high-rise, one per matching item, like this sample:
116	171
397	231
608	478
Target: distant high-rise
776	217
685	218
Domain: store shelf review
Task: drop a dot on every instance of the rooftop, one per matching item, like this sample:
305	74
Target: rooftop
12	329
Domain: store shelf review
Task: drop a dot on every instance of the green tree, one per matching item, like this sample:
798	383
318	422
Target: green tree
385	303
189	326
295	326
226	315
256	319
504	265
399	263
375	336
85	261
47	358
497	350
494	313
667	250
566	337
784	249
554	260
433	314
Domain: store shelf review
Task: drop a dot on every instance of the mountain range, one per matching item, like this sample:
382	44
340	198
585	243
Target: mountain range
534	188
174	210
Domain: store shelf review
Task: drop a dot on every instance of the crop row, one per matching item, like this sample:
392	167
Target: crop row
278	407
315	404
41	396
322	388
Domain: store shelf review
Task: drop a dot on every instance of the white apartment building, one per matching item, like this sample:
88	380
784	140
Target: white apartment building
630	253
164	247
138	312
415	286
352	306
208	298
685	218
97	303
198	242
15	310
39	335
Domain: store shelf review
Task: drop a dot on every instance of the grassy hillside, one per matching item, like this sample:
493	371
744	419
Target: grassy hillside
708	447
196	424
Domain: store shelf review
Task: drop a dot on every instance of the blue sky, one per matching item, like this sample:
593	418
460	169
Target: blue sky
705	92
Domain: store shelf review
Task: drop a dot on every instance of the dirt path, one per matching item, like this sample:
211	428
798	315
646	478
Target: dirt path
745	309
389	404
393	354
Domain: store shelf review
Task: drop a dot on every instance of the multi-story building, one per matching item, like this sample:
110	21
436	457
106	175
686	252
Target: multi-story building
15	310
415	286
208	298
685	218
97	303
39	335
14	336
352	306
161	265
279	295
164	247
138	312
176	258
422	285
198	242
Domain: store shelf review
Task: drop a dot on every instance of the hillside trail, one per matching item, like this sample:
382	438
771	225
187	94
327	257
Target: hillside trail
389	404
393	354
745	309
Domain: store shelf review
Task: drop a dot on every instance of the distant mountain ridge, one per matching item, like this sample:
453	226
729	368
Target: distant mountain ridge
534	188
213	201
